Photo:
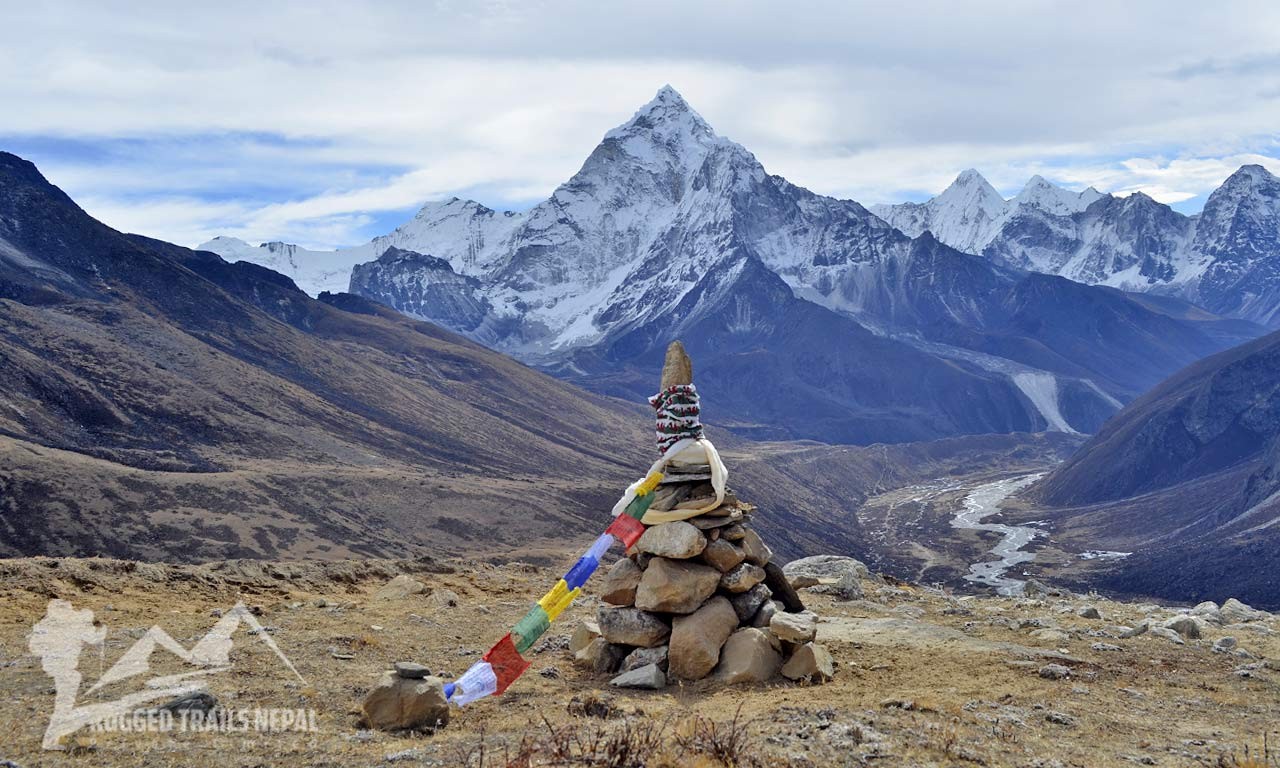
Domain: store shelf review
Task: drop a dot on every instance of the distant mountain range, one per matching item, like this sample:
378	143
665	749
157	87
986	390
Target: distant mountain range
1226	259
1188	478
819	319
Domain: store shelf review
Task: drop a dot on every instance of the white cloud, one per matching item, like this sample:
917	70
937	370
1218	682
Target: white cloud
379	107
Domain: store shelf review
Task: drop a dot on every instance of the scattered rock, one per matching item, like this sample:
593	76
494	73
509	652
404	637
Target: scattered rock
1224	645
396	703
1208	611
399	588
1053	636
748	657
809	662
583	635
643	657
723	555
696	639
444	598
632	626
1138	629
741	578
675	586
1060	718
196	701
592	705
620	583
600	656
1055	672
1168	634
1187	626
794	627
823	569
649	677
1089	612
411	671
1105	647
1235	612
550	672
679	540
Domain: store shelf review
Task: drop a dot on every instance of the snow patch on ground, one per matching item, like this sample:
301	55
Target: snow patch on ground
1042	390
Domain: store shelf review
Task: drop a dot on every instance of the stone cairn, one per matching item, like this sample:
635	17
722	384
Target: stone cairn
700	597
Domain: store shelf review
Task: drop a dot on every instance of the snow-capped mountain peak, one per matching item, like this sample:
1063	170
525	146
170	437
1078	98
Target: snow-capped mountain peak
1054	199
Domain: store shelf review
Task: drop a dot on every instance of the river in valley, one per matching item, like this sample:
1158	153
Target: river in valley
981	502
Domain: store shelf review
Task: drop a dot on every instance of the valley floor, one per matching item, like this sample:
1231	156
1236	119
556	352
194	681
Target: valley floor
925	677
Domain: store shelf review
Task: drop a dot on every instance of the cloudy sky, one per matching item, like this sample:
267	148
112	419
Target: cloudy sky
325	123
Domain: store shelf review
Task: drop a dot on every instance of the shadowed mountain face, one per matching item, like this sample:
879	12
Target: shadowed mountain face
825	322
1188	478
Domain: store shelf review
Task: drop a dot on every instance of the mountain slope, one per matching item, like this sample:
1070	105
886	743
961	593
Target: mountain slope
668	230
1227	258
1188	478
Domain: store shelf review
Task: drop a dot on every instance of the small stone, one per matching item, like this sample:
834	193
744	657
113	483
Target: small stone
620	583
1105	647
676	586
648	677
1055	672
1051	636
696	639
643	657
399	588
396	703
765	615
736	532
550	672
632	626
1168	634
1137	629
1060	718
1224	645
748	657
1187	626
582	636
723	555
743	577
600	656
1089	612
794	627
679	540
444	598
810	662
411	671
747	604
758	553
196	701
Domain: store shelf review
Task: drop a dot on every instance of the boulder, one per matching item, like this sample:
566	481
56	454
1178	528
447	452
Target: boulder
822	569
810	662
723	555
620	583
1053	636
1137	629
1055	672
678	540
1089	612
1187	626
747	604
1224	645
583	635
794	627
758	553
1168	634
600	656
643	657
648	677
675	586
443	598
632	626
741	578
696	639
1208	611
399	588
398	703
748	657
1235	612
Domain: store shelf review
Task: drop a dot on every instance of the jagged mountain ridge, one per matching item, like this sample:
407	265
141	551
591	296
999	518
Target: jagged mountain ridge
1227	258
668	227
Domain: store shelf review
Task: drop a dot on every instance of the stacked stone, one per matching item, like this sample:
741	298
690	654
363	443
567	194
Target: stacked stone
700	598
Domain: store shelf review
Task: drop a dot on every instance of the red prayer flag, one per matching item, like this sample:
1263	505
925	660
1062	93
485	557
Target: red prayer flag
506	661
626	529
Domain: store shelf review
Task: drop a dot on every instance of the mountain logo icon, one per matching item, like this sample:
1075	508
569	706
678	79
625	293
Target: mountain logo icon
59	638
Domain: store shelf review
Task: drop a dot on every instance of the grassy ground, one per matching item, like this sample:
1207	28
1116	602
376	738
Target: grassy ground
924	678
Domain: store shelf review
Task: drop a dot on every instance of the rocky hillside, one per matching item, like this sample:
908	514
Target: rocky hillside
1226	259
1186	478
922	676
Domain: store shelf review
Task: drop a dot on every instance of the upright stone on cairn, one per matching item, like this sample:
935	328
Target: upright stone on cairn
700	570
